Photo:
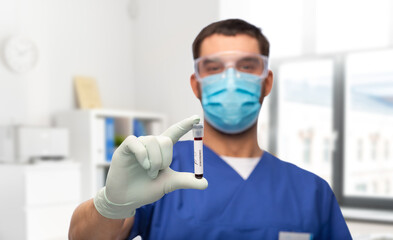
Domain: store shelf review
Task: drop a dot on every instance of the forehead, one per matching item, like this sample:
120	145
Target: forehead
219	43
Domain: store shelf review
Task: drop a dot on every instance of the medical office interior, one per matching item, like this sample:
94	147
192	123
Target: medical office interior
76	77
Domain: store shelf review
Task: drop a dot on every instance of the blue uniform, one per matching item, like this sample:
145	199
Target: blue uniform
277	196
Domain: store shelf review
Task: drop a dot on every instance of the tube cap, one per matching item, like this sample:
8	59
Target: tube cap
197	130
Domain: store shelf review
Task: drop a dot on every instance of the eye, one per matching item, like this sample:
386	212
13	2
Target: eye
249	65
213	67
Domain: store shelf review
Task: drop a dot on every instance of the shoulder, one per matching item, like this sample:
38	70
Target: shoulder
297	184
296	175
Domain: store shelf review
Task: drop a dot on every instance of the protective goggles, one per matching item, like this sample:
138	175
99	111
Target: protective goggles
242	62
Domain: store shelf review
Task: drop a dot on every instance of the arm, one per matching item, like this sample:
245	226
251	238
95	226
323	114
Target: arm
333	223
87	223
139	174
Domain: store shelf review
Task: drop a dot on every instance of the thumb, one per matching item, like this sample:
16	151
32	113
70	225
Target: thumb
177	130
184	180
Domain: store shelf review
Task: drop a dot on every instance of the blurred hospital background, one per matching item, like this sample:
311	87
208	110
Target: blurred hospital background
331	110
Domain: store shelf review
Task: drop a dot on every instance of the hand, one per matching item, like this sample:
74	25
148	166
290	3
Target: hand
140	174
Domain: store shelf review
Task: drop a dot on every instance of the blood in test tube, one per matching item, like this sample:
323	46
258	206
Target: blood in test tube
197	130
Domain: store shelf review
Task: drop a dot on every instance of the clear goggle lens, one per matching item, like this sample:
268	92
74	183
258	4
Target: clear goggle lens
250	63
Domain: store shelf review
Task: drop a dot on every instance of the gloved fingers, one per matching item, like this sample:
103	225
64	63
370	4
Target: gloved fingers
177	130
153	154
131	145
184	180
166	147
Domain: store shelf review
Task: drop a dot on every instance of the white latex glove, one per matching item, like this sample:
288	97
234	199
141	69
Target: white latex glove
139	173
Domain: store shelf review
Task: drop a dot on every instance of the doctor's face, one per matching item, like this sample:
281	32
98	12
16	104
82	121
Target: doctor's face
217	43
228	80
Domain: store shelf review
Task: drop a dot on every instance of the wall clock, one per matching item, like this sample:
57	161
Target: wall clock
20	54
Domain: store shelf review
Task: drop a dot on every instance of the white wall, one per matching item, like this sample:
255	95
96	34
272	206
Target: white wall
89	37
163	54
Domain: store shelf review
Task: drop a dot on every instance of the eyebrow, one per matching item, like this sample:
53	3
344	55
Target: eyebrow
210	60
250	59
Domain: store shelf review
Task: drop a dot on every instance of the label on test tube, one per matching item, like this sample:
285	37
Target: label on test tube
198	158
197	130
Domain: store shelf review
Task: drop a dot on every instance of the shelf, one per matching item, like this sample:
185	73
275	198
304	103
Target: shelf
125	114
88	140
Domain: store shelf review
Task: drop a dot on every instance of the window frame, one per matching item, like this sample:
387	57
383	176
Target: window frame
339	86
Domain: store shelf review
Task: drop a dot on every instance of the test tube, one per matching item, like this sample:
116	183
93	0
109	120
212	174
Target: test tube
197	130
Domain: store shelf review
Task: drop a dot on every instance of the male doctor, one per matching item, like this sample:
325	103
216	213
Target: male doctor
251	194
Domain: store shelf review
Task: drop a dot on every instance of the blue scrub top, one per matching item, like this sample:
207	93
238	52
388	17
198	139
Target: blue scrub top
277	197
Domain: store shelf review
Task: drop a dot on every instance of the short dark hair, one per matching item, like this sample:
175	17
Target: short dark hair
231	27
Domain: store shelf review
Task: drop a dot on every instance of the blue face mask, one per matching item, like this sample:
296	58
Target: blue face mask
230	100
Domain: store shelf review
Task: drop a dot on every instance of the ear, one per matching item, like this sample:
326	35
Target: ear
196	87
267	86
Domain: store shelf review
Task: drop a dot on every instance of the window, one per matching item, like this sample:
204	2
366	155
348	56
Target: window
327	149
332	99
375	187
373	144
360	150
369	112
305	110
361	187
307	150
344	93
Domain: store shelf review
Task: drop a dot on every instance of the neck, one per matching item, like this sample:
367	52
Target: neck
244	144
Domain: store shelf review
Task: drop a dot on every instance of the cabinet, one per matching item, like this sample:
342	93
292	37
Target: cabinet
87	136
37	200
